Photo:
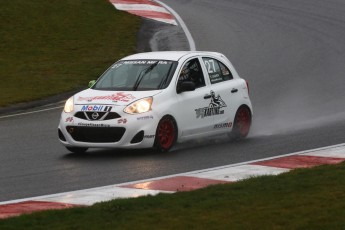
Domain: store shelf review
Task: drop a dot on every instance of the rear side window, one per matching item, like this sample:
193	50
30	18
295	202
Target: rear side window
216	70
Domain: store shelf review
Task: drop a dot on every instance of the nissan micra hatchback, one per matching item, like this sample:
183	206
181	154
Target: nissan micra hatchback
156	99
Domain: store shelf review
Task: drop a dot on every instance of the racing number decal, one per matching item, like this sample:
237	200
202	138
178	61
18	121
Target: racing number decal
211	68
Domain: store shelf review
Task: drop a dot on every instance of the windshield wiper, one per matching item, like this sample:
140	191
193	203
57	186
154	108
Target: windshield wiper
142	74
165	79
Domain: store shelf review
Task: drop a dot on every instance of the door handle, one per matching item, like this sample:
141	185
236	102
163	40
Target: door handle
207	96
234	90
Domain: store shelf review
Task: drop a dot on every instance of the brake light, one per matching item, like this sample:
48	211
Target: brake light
247	86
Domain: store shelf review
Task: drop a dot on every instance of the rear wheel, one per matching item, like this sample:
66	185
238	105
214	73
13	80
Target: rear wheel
242	123
77	149
166	134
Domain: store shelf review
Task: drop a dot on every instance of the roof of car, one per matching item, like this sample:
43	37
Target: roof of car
168	55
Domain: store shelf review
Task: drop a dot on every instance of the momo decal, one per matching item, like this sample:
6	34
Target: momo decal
98	108
120	96
214	108
223	125
145	118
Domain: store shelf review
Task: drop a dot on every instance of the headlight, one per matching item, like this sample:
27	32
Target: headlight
69	106
139	106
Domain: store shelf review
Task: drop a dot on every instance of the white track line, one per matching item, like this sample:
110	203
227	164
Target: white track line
26	113
182	24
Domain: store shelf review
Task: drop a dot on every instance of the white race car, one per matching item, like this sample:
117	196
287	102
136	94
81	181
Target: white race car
155	99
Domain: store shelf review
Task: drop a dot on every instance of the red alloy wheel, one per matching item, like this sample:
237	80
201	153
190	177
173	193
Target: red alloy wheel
243	121
166	133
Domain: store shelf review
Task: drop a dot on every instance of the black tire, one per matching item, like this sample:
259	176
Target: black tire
242	123
166	134
77	150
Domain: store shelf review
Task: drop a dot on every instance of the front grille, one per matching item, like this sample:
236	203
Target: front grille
97	116
96	134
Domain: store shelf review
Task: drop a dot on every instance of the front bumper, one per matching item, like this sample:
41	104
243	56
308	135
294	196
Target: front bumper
125	131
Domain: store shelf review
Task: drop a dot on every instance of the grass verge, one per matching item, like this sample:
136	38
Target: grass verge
49	47
301	199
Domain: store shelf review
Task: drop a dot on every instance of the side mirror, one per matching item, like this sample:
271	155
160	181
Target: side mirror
185	86
91	83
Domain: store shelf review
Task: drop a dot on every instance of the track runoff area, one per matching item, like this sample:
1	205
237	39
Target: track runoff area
179	182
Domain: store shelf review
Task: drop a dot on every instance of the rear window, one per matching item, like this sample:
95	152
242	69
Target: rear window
217	71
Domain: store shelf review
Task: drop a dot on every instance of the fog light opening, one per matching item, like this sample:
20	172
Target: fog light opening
138	137
61	136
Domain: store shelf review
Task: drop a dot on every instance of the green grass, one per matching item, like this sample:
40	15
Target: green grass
49	47
301	199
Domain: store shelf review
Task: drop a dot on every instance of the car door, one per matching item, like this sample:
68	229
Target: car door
224	93
192	116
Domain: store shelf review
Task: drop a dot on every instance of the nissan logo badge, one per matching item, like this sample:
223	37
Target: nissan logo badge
95	116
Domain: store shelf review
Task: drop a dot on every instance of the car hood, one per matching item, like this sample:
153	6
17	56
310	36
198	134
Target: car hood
119	98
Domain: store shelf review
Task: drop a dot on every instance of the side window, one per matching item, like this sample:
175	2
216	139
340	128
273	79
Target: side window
217	71
192	71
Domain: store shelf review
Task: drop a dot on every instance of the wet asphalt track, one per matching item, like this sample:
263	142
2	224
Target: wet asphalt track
291	52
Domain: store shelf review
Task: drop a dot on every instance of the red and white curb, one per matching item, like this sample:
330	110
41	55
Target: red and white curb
155	10
176	183
145	8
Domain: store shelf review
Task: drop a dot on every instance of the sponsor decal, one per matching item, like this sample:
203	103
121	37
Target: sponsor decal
223	125
144	118
122	121
92	125
145	62
120	96
99	108
149	136
69	119
214	108
215	78
207	112
140	62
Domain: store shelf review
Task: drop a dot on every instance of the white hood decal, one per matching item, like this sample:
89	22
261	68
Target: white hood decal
121	98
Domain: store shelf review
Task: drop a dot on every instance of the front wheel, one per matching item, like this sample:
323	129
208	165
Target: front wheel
242	123
166	134
77	150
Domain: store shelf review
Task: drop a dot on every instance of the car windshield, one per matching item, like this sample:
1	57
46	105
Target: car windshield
137	75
